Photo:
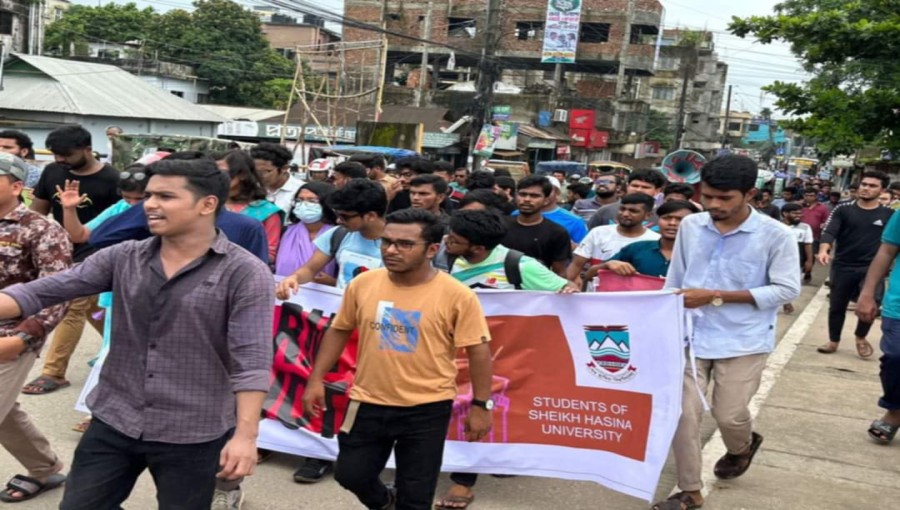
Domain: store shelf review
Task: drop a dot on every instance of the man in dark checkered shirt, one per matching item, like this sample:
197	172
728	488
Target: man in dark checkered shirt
181	390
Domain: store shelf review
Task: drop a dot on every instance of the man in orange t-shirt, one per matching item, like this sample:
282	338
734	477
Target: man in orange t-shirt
411	319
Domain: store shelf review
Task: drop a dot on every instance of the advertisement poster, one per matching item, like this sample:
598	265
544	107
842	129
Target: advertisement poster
561	31
509	136
594	395
487	140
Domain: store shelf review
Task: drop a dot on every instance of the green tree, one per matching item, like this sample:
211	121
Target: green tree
219	38
850	48
660	129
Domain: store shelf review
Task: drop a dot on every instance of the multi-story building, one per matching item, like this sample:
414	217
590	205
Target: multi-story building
310	38
688	62
20	26
615	52
738	125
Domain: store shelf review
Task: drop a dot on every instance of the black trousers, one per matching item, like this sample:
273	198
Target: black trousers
416	436
890	364
846	283
107	464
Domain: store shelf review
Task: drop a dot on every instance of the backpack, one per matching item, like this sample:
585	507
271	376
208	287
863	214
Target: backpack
511	265
340	233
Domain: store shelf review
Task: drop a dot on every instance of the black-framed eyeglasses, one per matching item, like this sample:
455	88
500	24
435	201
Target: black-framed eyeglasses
400	244
347	216
137	176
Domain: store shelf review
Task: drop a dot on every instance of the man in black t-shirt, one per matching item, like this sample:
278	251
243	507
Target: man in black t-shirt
532	234
856	228
74	160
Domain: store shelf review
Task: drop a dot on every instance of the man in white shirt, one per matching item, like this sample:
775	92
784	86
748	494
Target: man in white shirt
603	242
792	215
272	163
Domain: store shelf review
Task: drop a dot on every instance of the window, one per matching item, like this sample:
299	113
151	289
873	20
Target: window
177	93
529	30
734	126
754	128
594	33
461	28
664	93
57	14
668	63
202	98
6	23
644	34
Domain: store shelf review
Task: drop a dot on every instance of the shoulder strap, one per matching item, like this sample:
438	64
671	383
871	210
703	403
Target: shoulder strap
511	266
340	233
443	260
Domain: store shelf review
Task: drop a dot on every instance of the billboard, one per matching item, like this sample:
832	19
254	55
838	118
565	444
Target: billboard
561	31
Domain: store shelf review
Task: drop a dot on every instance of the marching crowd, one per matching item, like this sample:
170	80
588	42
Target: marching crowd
179	250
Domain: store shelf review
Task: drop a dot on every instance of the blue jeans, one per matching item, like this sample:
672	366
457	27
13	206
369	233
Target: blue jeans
416	436
890	364
107	464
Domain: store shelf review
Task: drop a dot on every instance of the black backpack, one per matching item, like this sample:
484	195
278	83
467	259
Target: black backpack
340	233
511	265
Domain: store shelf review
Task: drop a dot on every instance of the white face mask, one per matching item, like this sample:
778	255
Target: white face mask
308	212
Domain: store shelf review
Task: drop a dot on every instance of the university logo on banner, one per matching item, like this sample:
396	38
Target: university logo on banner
610	348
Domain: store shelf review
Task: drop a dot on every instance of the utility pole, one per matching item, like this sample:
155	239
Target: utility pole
727	119
488	70
423	70
682	101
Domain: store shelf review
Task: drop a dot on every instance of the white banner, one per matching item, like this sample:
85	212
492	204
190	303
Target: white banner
594	394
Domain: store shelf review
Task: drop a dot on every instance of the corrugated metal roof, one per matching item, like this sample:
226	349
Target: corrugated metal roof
241	112
84	88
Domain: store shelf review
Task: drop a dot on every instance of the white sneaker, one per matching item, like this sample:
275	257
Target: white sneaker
227	500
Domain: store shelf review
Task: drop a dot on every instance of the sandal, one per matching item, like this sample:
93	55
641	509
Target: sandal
44	385
454	502
864	348
828	348
883	432
680	501
29	487
82	426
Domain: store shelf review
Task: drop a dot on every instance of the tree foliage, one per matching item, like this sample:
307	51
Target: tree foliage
850	47
660	129
219	38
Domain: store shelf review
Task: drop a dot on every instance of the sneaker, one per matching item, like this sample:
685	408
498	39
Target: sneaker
312	470
227	500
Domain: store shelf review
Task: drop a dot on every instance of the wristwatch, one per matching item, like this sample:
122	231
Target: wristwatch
717	299
29	340
487	405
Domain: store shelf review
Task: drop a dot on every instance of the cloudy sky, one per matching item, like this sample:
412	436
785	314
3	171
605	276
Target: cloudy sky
751	65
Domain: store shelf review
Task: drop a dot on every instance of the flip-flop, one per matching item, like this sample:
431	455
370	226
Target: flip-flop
29	487
465	501
680	501
864	349
826	349
44	386
883	432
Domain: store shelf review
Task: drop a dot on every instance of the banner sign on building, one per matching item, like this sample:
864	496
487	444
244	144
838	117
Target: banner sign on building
487	140
561	31
503	112
310	133
592	395
509	136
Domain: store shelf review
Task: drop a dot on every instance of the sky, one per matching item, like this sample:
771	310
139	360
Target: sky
751	65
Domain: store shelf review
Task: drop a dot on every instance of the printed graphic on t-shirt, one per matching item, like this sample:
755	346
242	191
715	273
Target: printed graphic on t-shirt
353	264
399	328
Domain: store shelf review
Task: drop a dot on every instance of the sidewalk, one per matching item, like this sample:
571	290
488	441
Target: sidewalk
816	453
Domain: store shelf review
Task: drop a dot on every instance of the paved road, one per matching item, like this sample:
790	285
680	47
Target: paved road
816	454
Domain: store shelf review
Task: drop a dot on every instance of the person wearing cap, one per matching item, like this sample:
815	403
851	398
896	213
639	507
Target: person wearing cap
34	247
19	144
553	212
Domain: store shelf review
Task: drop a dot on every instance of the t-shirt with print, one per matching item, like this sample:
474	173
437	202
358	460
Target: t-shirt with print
603	242
490	273
102	189
409	337
803	232
354	256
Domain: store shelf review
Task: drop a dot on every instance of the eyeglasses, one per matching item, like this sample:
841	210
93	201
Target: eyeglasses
449	241
137	176
400	244
347	216
407	174
306	201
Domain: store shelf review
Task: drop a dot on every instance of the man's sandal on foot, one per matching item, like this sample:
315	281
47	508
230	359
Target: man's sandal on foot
44	385
883	432
732	466
29	487
454	502
864	349
680	501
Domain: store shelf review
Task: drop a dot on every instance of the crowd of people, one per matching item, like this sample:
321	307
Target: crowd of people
178	252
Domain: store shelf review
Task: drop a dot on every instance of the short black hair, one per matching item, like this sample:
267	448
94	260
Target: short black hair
790	190
501	172
241	167
656	179
854	186
485	197
369	160
506	182
877	174
893	186
679	188
582	190
440	185
730	173
673	206
22	140
464	169
481	180
791	207
351	169
444	166
766	190
417	165
189	155
432	227
835	194
66	139
539	181
360	196
203	177
277	154
480	228
639	199
322	190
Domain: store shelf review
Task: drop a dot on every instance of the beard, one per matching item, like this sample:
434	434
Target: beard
606	194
